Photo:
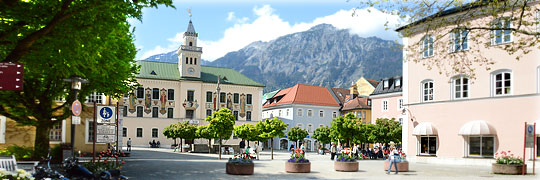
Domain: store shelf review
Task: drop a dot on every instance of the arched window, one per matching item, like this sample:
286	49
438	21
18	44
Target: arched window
190	43
427	90
427	48
190	60
309	128
501	82
460	87
195	61
300	125
187	60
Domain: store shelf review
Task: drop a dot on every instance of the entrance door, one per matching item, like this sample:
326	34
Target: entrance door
283	144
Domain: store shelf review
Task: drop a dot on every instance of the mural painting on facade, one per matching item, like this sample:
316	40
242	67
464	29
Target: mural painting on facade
163	101
214	101
148	101
229	101
190	105
132	102
242	105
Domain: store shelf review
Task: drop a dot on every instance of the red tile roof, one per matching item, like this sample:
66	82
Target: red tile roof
372	82
341	94
304	94
356	103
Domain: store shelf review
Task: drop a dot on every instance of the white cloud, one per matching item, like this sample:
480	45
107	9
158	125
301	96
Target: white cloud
268	26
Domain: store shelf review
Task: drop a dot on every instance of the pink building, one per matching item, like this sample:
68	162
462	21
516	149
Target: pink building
387	100
453	118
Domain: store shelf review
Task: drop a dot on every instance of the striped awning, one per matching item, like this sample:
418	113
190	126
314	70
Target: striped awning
424	129
478	127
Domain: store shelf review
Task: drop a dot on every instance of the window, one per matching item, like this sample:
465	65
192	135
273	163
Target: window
155	93
170	94
139	111
459	40
90	131
287	112
427	49
140	93
187	60
309	128
300	125
155	112
249	99
481	146
236	98
501	36
400	104
124	111
401	121
222	97
139	132
170	113
208	112
154	132
397	82
384	106
190	95
369	102
248	115
334	115
461	87
537	145
190	60
502	83
427	88
309	112
56	132
428	145
190	43
320	125
321	113
235	113
189	114
279	113
195	61
124	132
96	97
299	113
385	84
208	96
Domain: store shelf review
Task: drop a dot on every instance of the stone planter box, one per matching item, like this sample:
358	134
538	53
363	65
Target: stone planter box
507	169
402	166
346	166
239	169
297	167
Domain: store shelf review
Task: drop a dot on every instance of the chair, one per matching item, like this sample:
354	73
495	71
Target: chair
9	163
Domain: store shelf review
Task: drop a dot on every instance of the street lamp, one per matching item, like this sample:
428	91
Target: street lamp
76	83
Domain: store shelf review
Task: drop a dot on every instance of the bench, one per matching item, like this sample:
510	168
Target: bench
8	163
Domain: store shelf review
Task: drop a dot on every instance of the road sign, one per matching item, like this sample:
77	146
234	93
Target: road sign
75	120
108	138
529	139
76	108
106	114
12	76
106	129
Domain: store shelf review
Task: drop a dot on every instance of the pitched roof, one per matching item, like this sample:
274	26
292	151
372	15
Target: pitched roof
169	71
356	103
190	29
392	87
303	94
341	94
270	94
373	83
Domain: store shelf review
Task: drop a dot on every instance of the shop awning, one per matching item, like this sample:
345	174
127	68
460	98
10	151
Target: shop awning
475	128
424	129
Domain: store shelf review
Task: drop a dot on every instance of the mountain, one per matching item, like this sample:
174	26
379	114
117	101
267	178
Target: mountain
322	55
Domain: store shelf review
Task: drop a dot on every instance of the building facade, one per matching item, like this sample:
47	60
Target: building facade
186	91
305	106
462	120
360	107
363	87
387	100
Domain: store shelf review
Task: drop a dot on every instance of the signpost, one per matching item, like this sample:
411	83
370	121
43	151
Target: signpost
106	126
529	141
12	76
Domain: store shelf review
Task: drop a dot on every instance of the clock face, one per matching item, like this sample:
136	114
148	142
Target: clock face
191	70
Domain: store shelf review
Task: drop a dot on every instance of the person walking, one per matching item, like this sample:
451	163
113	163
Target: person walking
355	151
302	149
258	149
333	150
393	159
129	145
339	149
242	145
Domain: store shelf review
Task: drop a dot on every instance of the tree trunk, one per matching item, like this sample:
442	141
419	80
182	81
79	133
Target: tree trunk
272	148
209	147
219	148
41	147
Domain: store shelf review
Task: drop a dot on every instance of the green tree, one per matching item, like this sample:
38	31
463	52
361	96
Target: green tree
345	129
269	129
60	39
246	132
221	125
204	132
296	134
386	130
186	131
322	135
171	132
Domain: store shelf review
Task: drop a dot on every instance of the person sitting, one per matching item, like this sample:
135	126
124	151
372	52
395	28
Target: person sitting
158	144
154	143
150	143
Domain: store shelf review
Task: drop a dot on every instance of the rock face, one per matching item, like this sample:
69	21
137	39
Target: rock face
322	56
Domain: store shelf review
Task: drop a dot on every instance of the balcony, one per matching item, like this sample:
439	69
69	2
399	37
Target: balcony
191	48
190	105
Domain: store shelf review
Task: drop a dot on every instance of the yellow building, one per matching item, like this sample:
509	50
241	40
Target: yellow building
360	107
363	87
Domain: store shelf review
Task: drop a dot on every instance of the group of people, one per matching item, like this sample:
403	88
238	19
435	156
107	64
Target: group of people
153	144
302	147
255	150
360	153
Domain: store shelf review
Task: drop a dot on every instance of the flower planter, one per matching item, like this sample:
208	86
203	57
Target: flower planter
240	168
345	166
402	166
507	168
297	167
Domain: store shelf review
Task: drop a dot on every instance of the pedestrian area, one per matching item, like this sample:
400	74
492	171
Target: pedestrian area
156	163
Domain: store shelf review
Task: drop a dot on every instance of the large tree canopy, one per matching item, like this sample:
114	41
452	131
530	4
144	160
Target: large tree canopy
296	134
322	135
221	125
60	39
269	129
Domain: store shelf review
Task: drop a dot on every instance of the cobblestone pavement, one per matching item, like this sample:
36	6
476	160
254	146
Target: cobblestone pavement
146	163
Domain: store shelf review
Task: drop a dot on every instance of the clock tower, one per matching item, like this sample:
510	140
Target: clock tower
189	55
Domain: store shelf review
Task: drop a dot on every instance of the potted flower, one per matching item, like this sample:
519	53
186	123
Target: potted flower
346	162
507	163
240	165
298	163
402	163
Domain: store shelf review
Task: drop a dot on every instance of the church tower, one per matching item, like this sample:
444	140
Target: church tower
189	55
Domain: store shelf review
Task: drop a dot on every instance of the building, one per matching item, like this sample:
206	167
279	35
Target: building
187	91
305	106
363	87
360	107
387	100
462	120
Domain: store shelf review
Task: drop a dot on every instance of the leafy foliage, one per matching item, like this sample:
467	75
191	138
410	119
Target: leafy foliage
298	156
297	134
506	157
247	132
386	130
20	152
322	135
269	129
204	132
345	129
221	123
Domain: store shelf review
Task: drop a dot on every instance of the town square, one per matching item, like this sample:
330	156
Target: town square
269	89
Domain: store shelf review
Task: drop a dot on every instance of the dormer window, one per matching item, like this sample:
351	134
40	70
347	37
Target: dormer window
385	83
153	73
398	82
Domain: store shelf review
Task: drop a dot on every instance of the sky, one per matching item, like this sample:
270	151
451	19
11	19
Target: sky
225	26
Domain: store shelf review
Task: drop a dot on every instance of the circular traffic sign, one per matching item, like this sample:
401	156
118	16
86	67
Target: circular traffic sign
106	112
76	108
